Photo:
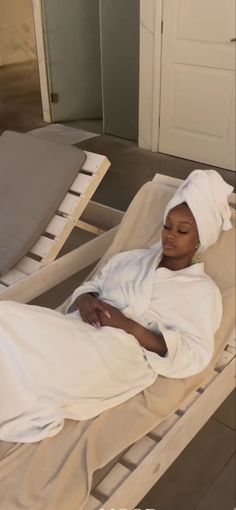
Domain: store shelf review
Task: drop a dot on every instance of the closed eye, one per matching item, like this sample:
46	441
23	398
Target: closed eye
167	227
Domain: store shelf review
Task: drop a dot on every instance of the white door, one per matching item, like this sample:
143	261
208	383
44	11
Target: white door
68	46
197	113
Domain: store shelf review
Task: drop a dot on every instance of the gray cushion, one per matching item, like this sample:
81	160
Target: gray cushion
35	175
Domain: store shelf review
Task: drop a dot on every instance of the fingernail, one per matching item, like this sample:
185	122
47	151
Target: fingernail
107	314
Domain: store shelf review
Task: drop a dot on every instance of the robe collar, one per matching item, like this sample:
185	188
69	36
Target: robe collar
144	288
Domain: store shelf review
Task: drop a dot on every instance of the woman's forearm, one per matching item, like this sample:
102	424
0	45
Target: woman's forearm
151	341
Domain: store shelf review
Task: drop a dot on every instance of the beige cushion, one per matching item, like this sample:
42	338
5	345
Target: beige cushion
34	177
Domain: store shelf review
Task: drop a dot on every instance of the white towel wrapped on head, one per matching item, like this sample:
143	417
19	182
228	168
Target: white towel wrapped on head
205	192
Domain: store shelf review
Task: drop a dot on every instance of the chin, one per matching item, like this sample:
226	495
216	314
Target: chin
169	252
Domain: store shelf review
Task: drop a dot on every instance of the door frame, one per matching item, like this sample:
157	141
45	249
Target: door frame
42	65
151	23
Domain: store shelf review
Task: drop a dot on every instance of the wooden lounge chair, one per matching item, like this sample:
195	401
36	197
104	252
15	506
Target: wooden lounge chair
136	470
139	468
59	228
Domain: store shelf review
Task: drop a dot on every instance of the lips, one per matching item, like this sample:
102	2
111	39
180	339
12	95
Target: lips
168	245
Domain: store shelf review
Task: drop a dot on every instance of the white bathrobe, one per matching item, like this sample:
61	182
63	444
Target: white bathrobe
55	366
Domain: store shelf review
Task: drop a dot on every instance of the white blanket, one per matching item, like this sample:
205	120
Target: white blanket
54	366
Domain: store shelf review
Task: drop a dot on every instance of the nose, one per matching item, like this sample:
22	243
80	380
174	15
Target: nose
170	235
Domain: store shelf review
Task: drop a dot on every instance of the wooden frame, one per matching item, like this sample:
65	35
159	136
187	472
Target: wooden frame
142	465
146	461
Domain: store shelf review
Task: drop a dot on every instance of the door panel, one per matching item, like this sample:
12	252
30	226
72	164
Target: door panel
119	21
72	43
206	20
197	94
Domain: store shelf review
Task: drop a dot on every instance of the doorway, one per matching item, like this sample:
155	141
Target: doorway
89	62
20	98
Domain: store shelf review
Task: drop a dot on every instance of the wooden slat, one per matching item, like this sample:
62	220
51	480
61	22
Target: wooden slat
82	182
208	380
90	228
224	359
56	225
69	204
42	247
13	276
113	479
139	450
231	349
188	402
93	162
28	265
162	429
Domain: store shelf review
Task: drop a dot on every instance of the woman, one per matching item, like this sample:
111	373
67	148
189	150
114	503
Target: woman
147	312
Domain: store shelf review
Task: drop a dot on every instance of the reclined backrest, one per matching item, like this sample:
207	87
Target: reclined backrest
34	177
141	227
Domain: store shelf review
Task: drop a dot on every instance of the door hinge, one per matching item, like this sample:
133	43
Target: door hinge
162	26
54	97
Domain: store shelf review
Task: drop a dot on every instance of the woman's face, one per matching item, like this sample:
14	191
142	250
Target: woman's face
179	234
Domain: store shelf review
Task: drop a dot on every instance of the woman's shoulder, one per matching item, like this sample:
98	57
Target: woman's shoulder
209	285
131	255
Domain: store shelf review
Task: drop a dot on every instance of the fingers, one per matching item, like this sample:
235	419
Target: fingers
102	307
91	318
90	310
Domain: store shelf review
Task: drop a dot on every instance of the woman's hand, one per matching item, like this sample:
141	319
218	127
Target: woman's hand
154	342
114	318
98	313
91	309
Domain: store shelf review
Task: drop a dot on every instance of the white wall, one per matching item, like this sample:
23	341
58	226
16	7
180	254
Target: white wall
17	41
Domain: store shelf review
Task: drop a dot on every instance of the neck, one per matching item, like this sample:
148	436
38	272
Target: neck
175	264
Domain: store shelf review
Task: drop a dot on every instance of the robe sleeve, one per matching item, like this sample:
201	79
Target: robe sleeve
190	342
94	285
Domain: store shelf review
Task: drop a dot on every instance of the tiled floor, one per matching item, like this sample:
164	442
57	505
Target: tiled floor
203	476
